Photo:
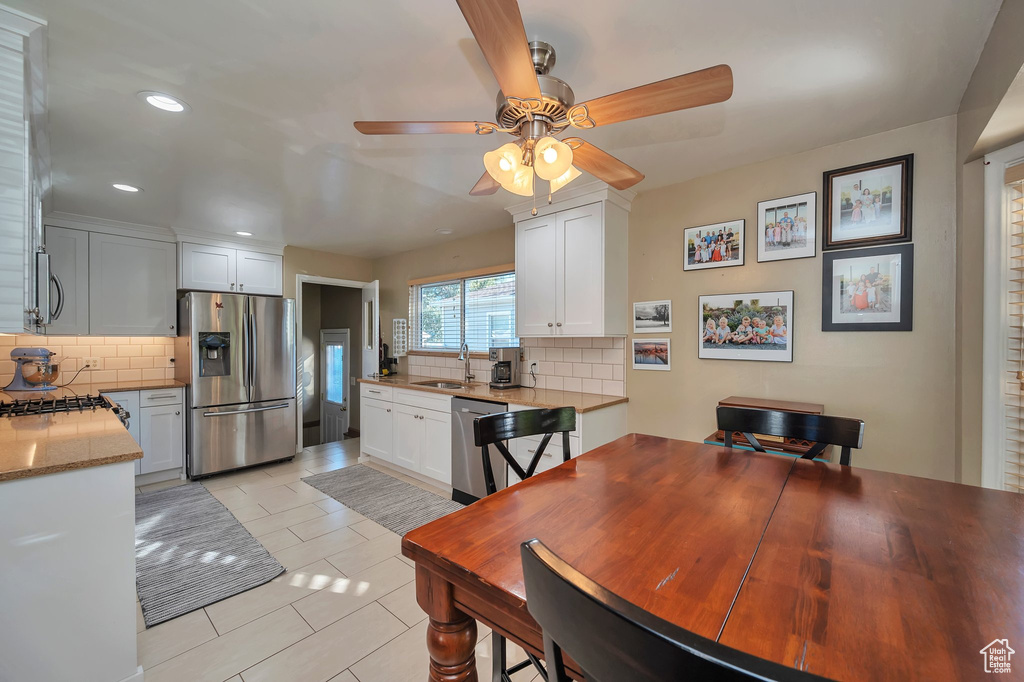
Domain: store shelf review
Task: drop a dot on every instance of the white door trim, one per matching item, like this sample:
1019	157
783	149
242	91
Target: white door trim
299	281
323	376
995	327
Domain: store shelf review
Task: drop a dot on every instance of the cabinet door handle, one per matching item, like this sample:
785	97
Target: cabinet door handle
550	325
232	286
240	285
559	324
177	413
162	395
60	296
389	409
372	391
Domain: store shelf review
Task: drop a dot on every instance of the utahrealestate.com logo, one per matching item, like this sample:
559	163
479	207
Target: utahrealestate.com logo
997	656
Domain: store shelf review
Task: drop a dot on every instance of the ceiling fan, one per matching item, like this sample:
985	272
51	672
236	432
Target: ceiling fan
534	107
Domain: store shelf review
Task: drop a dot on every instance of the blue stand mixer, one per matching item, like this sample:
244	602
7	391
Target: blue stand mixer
36	370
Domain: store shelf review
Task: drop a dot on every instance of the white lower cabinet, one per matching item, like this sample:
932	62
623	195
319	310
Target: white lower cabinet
375	428
157	423
162	431
410	429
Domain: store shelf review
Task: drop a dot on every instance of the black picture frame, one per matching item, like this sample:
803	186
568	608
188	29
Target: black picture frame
906	203
905	323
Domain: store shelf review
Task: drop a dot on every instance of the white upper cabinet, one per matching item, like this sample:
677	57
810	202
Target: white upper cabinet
571	272
131	286
69	281
24	173
215	268
207	267
259	273
536	276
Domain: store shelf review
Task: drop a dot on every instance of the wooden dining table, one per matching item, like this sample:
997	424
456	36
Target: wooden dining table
847	573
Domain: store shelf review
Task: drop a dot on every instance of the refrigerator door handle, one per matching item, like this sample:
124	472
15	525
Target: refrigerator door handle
246	362
254	358
252	409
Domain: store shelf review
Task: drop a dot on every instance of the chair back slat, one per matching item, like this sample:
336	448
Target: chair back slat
508	425
818	428
612	639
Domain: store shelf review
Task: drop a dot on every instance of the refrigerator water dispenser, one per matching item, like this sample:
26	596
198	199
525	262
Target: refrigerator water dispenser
214	354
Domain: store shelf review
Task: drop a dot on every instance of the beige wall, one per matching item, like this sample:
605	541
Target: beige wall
494	247
309	356
900	383
322	264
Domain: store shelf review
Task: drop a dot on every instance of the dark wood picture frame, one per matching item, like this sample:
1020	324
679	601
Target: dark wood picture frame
906	162
906	302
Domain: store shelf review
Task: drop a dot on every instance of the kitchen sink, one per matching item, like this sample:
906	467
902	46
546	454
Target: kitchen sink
439	384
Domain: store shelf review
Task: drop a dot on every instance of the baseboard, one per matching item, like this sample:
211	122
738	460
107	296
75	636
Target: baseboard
158	477
352	433
139	676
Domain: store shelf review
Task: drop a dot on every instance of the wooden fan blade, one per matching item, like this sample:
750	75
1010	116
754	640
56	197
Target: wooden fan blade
497	26
696	89
484	186
604	166
417	127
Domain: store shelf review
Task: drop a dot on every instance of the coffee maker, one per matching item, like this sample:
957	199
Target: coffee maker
505	370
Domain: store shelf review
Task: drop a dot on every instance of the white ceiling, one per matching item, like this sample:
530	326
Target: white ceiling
274	87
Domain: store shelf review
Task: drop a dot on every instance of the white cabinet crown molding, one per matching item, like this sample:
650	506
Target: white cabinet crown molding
573	197
166	234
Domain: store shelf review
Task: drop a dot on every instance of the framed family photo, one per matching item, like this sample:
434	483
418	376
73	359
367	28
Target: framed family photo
786	227
868	290
652	317
756	326
651	354
713	246
868	204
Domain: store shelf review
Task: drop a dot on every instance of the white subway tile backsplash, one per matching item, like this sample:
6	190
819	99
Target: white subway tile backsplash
603	343
618	372
582	343
563	343
612	356
593	355
552	382
563	369
553	354
613	387
572	384
582	369
601	371
591	385
572	355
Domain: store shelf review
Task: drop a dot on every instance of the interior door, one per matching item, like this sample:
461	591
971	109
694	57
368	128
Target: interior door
370	334
536	276
272	330
335	362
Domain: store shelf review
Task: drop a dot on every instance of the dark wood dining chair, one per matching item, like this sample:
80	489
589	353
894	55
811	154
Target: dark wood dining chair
495	429
822	430
612	640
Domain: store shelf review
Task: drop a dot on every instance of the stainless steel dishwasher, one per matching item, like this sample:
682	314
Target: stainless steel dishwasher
467	465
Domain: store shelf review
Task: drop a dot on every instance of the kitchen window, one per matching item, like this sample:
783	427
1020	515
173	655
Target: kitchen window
480	311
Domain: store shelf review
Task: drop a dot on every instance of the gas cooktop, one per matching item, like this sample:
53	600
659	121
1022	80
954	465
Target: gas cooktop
74	403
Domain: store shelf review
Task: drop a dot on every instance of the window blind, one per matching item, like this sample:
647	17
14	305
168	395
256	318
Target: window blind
491	311
436	314
1013	418
479	311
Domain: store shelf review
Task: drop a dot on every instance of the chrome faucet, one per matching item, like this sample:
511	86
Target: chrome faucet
464	355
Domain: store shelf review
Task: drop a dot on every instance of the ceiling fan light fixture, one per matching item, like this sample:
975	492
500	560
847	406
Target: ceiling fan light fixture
564	179
521	182
552	158
504	162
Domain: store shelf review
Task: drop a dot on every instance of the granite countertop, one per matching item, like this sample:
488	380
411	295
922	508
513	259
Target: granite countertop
92	389
45	444
531	397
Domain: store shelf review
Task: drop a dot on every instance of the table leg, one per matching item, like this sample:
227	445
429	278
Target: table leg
451	634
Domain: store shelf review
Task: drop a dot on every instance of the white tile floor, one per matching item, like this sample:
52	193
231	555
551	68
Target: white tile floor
345	610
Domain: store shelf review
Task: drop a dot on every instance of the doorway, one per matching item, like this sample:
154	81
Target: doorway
331	306
335	363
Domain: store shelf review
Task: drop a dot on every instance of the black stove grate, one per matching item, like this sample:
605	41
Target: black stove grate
80	403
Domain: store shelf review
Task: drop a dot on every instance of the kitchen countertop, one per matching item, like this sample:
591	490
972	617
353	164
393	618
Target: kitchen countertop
531	397
92	389
35	445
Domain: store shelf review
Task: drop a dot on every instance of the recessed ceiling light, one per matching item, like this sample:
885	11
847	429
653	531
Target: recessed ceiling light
240	233
444	230
126	188
163	101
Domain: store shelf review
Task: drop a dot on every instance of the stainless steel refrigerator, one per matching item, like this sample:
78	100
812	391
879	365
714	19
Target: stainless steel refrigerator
237	355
